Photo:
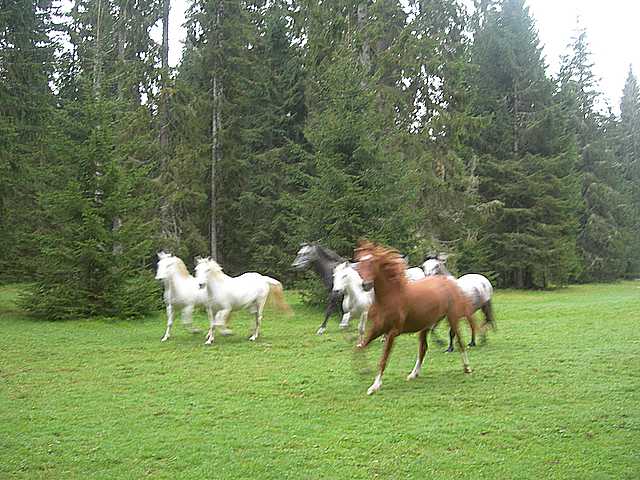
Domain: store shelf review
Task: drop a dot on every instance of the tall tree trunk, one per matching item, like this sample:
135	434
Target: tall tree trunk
216	126
164	106
168	221
97	64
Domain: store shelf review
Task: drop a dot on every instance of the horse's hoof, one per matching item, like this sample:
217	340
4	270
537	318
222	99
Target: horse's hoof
209	342
321	330
343	326
253	338
412	376
467	369
449	350
372	390
225	332
471	344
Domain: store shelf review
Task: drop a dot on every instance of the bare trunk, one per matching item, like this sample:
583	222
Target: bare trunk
122	40
215	158
164	115
365	52
216	127
97	64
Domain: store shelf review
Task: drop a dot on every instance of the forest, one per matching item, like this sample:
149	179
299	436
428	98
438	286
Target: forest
427	125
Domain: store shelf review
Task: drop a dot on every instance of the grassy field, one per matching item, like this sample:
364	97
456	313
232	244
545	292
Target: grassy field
555	393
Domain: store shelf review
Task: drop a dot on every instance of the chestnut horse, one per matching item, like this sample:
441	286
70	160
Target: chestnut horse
404	307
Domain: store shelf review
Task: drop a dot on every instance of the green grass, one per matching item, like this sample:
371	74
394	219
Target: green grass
554	394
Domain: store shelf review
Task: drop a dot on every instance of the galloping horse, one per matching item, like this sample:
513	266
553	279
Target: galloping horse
403	307
476	287
323	261
225	294
356	303
180	290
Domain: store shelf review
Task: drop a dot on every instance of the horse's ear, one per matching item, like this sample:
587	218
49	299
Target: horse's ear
443	257
162	254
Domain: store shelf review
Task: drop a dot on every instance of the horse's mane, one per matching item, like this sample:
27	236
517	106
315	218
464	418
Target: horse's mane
329	253
392	265
181	268
389	260
214	266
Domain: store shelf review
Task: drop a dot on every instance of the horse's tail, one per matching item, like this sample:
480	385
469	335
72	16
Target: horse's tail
490	320
276	295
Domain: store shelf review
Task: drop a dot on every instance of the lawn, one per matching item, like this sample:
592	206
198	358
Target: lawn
555	393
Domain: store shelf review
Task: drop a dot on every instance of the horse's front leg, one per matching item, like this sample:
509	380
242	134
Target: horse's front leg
377	383
331	307
169	322
451	337
361	327
187	319
213	321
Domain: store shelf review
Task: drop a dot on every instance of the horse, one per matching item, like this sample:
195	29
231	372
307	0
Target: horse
181	290
404	307
413	273
226	294
356	302
323	261
476	287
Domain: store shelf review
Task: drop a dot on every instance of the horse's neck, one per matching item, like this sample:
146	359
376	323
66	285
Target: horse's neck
324	268
385	289
354	288
178	285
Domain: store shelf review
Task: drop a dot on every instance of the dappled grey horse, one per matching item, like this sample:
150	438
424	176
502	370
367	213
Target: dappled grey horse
323	261
476	287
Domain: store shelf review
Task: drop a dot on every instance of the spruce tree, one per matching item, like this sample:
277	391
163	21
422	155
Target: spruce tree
526	153
602	237
627	138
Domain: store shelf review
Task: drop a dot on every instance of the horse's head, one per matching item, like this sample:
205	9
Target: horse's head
166	265
306	255
376	261
343	275
205	268
435	264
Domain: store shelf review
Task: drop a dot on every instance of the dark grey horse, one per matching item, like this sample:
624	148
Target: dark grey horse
323	261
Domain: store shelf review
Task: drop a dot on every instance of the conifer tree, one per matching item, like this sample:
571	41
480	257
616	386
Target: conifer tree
527	153
602	237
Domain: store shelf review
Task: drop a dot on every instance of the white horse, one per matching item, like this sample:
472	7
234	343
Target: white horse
477	288
180	290
225	294
356	301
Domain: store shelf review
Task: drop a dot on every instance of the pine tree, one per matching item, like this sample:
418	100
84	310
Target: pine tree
527	153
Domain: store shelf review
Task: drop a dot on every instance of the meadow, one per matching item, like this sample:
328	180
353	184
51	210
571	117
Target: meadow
555	393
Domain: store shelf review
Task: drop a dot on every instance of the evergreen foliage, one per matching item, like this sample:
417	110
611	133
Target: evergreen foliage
413	123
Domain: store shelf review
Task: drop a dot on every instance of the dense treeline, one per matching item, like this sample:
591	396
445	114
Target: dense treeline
419	124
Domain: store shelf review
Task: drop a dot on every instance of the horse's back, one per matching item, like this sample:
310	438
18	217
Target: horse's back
477	288
429	299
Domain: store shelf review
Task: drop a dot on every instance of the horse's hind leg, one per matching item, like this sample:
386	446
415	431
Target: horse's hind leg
377	383
422	350
463	352
489	319
169	322
259	309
